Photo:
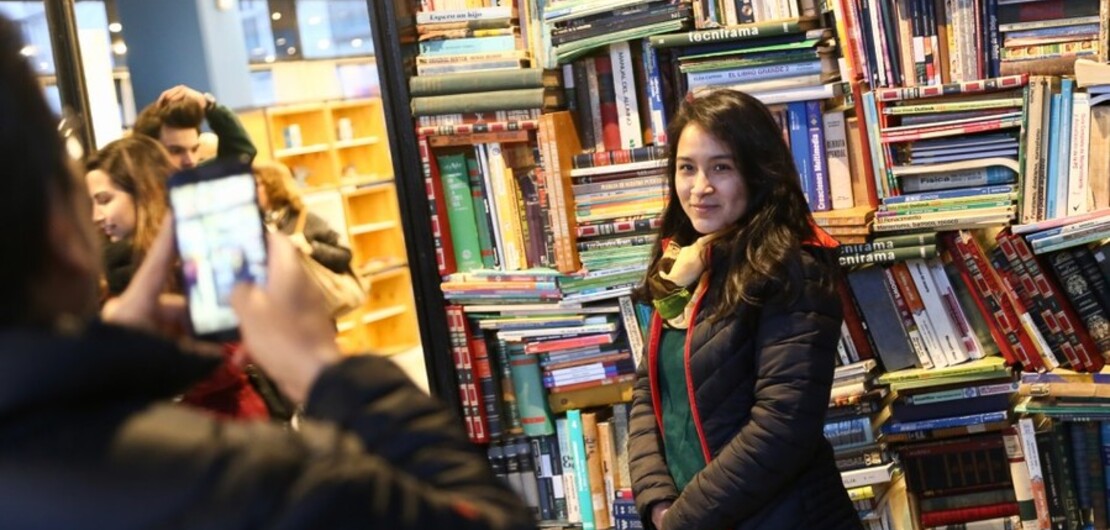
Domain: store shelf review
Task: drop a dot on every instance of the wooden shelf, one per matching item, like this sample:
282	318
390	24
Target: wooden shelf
368	228
298	151
357	142
356	182
371	317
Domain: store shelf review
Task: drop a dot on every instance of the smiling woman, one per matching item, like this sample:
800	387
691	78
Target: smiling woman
127	184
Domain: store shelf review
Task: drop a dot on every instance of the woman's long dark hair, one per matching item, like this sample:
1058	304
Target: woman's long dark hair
776	220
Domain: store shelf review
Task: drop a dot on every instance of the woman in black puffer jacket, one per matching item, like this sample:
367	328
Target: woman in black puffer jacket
729	407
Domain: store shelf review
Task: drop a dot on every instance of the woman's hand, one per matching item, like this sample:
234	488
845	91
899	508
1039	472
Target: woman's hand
285	325
144	304
658	510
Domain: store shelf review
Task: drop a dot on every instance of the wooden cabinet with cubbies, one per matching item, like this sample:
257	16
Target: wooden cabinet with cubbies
340	147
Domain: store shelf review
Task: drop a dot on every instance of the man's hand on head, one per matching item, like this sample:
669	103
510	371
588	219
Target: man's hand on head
182	92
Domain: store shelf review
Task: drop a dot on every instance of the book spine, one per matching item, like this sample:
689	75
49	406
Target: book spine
437	210
607	97
531	401
1079	187
839	170
968	340
727	34
818	160
482	218
568	459
520	99
799	148
464	372
655	94
1037	485
470	45
934	307
476	82
923	336
582	94
460	211
594	84
624	90
576	435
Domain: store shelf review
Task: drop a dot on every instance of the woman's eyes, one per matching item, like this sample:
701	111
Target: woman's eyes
716	168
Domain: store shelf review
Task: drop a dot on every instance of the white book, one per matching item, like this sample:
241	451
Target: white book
566	460
934	305
484	167
624	86
462	14
1028	436
1079	184
836	151
867	476
923	340
968	338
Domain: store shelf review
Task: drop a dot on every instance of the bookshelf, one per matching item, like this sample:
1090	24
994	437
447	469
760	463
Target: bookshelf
338	153
966	303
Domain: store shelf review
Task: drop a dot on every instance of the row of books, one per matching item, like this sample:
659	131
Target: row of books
578	474
933	42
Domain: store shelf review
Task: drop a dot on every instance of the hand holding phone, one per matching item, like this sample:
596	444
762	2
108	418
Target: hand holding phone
220	241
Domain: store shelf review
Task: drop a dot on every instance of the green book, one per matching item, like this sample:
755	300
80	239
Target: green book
581	471
742	32
471	82
531	399
481	213
460	211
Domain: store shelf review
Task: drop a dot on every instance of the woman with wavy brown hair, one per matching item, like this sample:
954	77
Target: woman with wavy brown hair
127	184
728	409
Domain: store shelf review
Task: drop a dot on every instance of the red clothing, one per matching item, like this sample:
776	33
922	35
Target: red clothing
227	392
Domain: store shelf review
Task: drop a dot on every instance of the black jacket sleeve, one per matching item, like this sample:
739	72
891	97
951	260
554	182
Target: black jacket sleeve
794	359
326	249
234	141
651	480
387	456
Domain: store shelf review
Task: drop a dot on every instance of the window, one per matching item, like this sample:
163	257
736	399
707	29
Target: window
291	30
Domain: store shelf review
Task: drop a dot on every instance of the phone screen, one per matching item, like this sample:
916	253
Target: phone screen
221	242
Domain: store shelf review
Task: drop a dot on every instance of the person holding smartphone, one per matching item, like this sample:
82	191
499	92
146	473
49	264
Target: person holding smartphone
87	439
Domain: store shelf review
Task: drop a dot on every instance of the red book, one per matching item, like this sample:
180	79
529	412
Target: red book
968	515
987	286
473	412
852	320
437	209
610	123
1089	357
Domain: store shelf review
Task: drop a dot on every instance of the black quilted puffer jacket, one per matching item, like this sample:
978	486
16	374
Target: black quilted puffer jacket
760	385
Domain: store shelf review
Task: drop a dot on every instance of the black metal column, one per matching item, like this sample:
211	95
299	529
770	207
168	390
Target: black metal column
392	23
68	68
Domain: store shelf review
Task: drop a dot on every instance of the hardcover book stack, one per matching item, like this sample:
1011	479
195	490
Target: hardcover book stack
850	426
618	197
710	14
946	424
1048	36
580	26
1066	440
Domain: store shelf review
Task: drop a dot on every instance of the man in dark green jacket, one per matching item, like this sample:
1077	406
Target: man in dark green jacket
90	437
175	120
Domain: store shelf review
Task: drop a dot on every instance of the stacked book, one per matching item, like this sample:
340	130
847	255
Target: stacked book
947	426
618	197
1048	36
581	26
850	426
1067	431
777	62
710	14
952	149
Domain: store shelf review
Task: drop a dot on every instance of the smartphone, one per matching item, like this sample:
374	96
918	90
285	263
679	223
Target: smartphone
221	241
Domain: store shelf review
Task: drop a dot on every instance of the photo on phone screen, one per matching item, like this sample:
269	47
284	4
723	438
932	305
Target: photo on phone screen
220	241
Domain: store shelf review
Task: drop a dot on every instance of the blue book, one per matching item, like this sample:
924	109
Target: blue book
950	194
1053	158
1063	157
655	94
468	45
819	163
581	473
799	147
994	45
894	427
1104	451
